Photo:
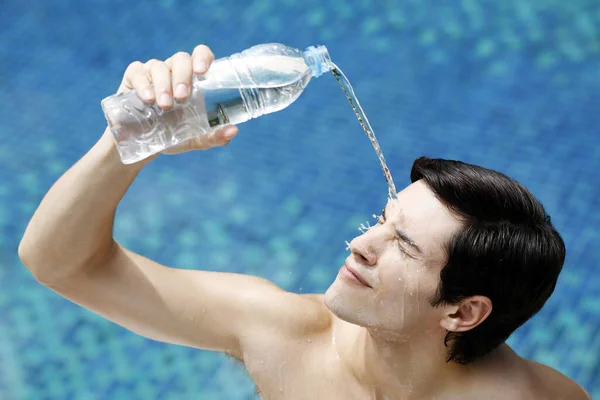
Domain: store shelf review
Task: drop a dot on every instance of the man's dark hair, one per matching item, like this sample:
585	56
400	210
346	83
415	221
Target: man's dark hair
506	250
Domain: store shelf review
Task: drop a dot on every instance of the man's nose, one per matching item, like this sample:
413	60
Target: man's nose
362	247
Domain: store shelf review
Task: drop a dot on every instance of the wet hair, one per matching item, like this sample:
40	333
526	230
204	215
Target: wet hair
506	250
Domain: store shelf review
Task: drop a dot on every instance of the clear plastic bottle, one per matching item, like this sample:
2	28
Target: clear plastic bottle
260	80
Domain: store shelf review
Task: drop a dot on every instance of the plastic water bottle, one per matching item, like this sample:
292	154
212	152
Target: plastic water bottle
260	80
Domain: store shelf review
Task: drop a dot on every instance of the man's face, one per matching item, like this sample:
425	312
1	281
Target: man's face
401	277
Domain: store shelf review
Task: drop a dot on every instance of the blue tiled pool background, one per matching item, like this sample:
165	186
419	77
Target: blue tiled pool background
512	85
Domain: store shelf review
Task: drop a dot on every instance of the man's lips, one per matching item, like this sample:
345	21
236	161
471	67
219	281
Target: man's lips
356	275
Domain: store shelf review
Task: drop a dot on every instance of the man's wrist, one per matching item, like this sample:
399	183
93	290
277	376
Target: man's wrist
109	154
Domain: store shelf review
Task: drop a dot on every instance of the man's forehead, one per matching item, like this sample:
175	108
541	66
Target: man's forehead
424	217
414	202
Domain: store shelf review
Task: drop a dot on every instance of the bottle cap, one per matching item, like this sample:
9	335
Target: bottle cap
318	59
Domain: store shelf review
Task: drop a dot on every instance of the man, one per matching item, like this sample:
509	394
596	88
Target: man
420	310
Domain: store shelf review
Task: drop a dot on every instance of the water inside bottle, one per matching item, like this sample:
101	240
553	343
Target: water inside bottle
218	98
364	122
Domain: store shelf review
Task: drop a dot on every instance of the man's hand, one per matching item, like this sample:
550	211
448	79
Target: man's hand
162	81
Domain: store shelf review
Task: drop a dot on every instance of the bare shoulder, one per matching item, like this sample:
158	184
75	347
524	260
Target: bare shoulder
301	321
308	314
505	375
552	384
294	316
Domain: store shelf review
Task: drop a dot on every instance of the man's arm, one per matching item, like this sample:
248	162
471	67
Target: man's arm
73	225
68	246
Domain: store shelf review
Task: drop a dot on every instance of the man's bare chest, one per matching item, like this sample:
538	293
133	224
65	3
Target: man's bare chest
294	384
314	371
309	372
298	381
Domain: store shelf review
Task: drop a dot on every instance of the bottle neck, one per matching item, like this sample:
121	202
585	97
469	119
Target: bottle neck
318	60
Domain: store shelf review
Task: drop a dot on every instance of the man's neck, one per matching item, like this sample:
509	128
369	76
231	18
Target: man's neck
409	367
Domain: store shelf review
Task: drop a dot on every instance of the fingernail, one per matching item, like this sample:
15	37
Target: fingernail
165	99
181	91
200	66
148	95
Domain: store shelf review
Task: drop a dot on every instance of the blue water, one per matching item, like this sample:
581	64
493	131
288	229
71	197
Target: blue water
511	85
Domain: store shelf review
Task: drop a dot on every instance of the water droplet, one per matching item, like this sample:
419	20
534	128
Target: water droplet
334	345
281	376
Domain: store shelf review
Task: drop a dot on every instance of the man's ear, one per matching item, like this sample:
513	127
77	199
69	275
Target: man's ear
467	315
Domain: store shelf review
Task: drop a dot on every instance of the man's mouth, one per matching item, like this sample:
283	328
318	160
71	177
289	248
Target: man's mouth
353	276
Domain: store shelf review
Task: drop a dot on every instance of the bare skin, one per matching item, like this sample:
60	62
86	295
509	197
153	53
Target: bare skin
379	339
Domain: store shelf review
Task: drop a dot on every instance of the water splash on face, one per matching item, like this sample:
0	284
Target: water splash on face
404	305
418	298
364	228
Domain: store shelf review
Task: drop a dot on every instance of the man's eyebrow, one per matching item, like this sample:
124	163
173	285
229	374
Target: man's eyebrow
408	241
402	235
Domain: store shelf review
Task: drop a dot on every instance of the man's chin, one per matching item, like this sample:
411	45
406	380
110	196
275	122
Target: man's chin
343	305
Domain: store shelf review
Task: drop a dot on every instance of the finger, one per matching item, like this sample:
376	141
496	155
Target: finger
228	132
160	75
136	78
222	136
182	74
202	57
